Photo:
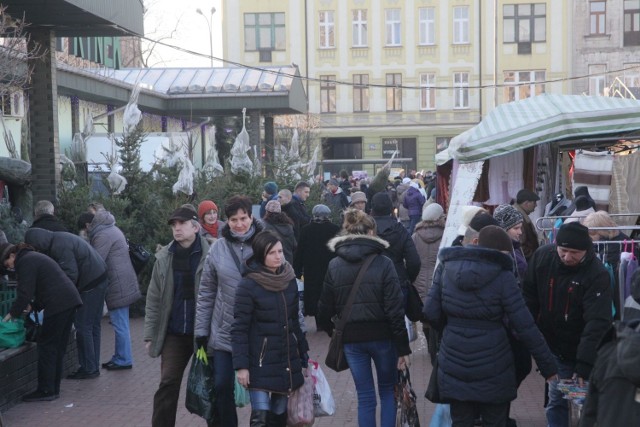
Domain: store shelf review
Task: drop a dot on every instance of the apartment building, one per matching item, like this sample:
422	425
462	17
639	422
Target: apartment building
606	44
407	75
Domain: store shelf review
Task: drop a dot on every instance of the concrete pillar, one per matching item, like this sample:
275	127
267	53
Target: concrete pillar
254	133
75	115
43	117
269	144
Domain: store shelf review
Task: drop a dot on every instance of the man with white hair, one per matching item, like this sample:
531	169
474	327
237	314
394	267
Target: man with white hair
43	217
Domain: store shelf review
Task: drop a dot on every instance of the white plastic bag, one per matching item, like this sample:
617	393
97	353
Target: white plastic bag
323	403
412	330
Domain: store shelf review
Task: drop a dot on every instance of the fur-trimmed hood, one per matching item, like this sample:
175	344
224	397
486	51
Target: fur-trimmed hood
356	247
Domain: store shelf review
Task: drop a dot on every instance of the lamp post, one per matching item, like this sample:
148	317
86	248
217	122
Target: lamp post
209	25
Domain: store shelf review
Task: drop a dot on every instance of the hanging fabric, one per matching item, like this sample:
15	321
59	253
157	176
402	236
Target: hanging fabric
594	170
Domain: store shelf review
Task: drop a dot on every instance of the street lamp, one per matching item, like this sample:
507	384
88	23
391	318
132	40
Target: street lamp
209	25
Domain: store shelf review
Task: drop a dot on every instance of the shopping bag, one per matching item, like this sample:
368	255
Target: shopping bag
441	416
12	333
241	395
412	329
407	415
200	395
300	404
323	403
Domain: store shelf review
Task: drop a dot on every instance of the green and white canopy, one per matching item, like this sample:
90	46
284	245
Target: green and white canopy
544	118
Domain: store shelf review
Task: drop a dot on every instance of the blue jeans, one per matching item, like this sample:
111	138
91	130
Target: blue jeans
557	407
265	401
87	321
120	323
223	382
413	221
384	356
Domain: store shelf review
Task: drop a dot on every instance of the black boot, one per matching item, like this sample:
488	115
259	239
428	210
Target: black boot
275	420
259	418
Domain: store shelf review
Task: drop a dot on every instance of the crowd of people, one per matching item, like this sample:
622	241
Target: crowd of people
493	300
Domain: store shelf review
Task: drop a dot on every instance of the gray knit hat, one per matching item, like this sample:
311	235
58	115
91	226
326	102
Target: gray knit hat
321	211
507	216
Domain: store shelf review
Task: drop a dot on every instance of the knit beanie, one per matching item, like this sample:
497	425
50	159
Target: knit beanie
507	216
573	236
271	187
432	212
468	212
206	206
321	211
273	206
381	204
494	237
481	221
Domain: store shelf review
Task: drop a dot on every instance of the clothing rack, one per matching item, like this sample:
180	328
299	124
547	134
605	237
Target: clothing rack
553	219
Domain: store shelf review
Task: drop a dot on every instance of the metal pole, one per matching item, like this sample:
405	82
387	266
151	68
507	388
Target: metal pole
210	27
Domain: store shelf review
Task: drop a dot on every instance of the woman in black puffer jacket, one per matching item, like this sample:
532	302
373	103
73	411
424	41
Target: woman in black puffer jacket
269	348
375	330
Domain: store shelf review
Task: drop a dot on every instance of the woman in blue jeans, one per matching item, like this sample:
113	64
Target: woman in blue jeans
375	329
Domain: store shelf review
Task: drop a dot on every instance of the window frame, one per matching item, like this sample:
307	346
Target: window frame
461	90
394	93
516	20
597	79
359	27
327	29
427	26
461	25
536	79
597	19
273	31
427	91
361	93
631	18
328	91
393	28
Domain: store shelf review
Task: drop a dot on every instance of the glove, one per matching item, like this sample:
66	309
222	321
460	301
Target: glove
202	342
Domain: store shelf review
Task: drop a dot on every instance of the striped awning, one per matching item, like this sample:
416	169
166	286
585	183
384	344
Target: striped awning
544	118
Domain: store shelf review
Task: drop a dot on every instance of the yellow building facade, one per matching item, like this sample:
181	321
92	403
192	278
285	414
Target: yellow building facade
403	74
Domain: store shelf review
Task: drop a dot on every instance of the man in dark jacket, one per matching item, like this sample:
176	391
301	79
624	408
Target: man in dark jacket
526	202
402	251
170	310
293	206
44	218
568	292
88	271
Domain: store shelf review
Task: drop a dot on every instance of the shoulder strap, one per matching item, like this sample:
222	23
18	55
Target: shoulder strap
346	311
235	256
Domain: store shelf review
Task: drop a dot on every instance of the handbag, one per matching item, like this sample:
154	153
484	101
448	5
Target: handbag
300	404
323	402
139	256
413	309
12	333
433	389
336	359
240	394
407	412
199	397
32	326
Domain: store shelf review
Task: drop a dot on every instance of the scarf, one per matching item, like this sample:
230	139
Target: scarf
243	237
211	229
275	282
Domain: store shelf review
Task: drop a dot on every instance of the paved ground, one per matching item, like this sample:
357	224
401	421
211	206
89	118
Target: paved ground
124	398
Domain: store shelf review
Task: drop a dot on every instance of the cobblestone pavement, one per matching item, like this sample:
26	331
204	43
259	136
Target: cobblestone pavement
124	398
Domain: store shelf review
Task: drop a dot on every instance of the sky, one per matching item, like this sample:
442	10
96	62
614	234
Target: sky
191	32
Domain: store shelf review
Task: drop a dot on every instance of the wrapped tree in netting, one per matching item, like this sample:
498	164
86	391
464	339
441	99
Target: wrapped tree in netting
240	161
212	167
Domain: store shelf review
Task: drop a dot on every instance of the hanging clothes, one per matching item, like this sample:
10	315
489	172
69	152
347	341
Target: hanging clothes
505	178
594	170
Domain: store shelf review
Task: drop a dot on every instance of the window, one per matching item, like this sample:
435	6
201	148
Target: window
461	25
525	23
264	31
461	90
327	30
631	23
360	93
597	15
394	92
427	91
632	80
597	79
359	28
523	84
327	94
393	27
427	25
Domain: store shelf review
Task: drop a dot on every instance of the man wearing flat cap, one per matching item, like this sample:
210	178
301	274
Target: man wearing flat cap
568	292
525	203
170	309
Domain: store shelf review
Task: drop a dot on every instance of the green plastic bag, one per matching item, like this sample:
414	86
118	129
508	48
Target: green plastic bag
200	396
241	395
12	333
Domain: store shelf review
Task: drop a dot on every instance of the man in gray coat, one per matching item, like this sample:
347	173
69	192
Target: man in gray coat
170	310
88	271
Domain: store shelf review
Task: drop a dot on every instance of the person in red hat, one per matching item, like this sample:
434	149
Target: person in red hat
209	220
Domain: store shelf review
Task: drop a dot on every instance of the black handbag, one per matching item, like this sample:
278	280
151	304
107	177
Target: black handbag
414	306
139	256
336	359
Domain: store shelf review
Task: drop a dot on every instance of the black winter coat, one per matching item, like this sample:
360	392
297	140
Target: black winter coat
571	305
312	260
49	222
402	251
475	289
377	312
266	337
297	211
42	284
80	262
